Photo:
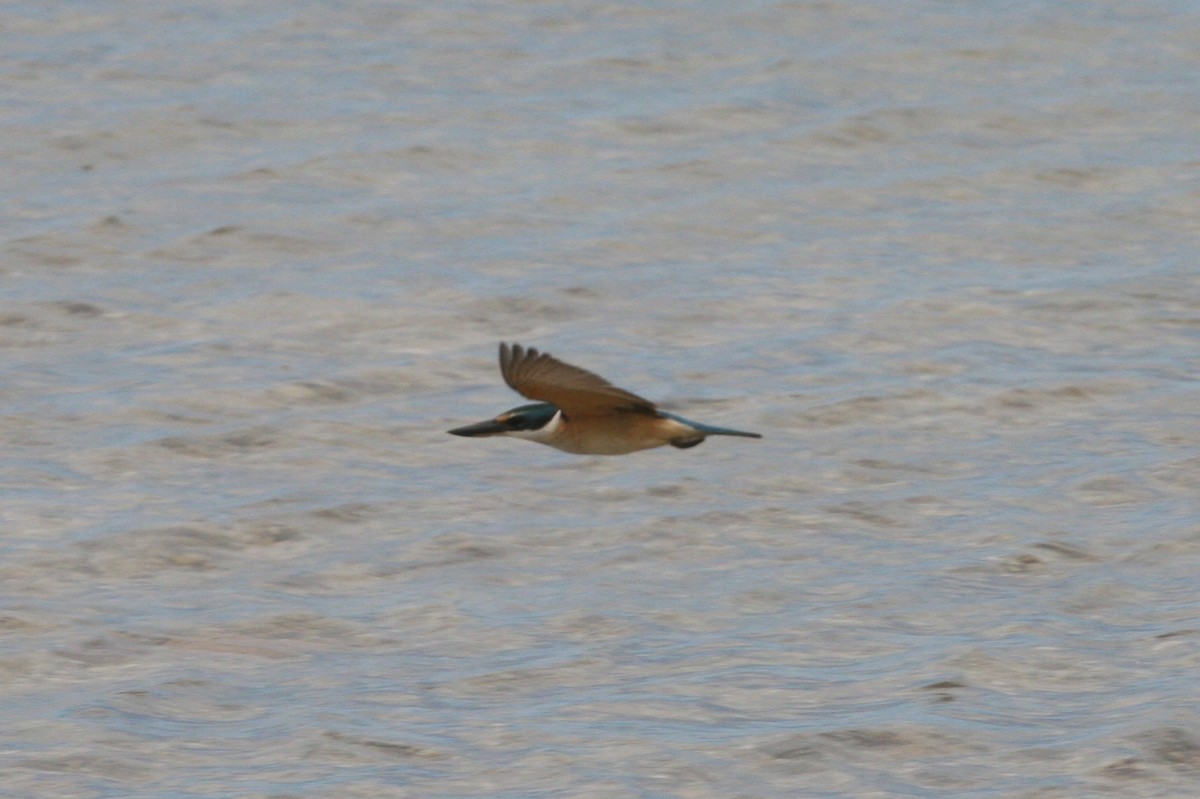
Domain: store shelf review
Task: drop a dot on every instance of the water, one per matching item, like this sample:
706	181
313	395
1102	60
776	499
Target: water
257	258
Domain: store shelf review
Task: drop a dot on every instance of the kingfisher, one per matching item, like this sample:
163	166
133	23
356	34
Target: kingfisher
582	413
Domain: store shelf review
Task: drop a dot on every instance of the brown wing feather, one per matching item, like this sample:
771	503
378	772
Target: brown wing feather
576	392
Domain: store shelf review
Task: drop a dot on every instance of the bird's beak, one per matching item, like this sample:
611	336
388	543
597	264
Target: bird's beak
489	428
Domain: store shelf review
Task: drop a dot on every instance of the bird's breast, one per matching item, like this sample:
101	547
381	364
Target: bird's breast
616	434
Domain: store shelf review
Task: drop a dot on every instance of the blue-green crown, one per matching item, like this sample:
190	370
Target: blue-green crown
529	417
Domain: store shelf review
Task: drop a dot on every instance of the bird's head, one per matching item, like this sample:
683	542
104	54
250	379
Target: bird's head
523	419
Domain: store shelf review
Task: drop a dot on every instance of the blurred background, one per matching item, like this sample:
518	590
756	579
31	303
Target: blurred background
257	258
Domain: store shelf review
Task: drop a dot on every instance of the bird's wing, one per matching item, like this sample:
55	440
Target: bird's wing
576	392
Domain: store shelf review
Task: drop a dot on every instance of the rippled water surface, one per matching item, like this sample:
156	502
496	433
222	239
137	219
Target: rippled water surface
257	258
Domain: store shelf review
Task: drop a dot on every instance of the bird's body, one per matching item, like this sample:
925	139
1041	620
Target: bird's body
583	413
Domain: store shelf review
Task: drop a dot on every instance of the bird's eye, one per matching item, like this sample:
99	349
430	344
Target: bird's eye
512	421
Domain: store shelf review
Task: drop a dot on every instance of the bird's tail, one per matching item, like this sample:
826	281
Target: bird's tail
725	431
709	430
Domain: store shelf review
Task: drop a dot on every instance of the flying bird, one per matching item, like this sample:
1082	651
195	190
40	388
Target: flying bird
582	413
